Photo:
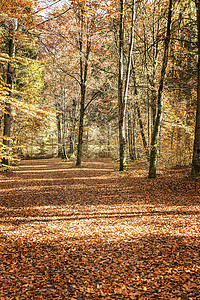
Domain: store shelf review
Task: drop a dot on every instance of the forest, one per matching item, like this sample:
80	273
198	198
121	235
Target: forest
99	149
90	79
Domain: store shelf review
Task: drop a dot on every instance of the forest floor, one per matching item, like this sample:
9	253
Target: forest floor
92	232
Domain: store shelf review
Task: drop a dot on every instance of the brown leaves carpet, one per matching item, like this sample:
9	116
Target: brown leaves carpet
91	232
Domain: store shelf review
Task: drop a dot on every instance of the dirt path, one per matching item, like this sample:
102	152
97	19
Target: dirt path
95	233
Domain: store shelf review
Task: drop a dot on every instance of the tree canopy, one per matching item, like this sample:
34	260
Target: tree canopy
88	79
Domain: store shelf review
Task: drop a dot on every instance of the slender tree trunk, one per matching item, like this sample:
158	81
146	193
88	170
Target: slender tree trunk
153	108
60	154
71	145
123	96
130	137
10	77
80	129
87	141
64	126
72	134
122	152
134	136
142	131
137	111
196	149
108	138
64	136
154	137
83	76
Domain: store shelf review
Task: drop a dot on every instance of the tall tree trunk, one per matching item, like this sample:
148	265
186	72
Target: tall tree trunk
80	129
109	134
10	77
83	77
73	126
137	111
142	131
122	152
153	108
60	154
196	149
123	95
132	138
64	126
64	136
154	137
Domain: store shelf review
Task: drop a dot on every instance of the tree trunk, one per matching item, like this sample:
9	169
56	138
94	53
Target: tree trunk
109	138
142	131
83	77
122	152
123	96
71	145
10	77
64	136
60	154
196	149
80	129
153	108
154	137
64	126
73	126
132	137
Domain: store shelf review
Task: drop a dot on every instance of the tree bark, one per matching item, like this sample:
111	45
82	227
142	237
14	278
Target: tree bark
64	125
123	95
60	154
196	149
122	152
73	126
108	138
10	77
83	77
137	111
142	131
132	137
154	137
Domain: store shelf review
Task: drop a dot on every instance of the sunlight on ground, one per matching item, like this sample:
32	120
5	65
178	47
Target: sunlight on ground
116	234
104	222
63	170
38	188
33	166
56	179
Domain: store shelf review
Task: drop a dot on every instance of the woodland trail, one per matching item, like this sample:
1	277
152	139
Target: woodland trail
92	232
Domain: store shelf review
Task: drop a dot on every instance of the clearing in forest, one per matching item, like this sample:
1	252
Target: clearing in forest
91	232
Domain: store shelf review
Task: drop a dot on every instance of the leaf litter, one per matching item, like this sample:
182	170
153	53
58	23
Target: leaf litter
95	233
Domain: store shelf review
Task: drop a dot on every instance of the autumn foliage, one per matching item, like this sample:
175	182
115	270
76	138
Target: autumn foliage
95	233
79	81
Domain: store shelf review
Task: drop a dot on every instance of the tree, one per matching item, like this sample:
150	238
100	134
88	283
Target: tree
84	59
73	43
13	23
154	138
13	14
196	149
123	81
